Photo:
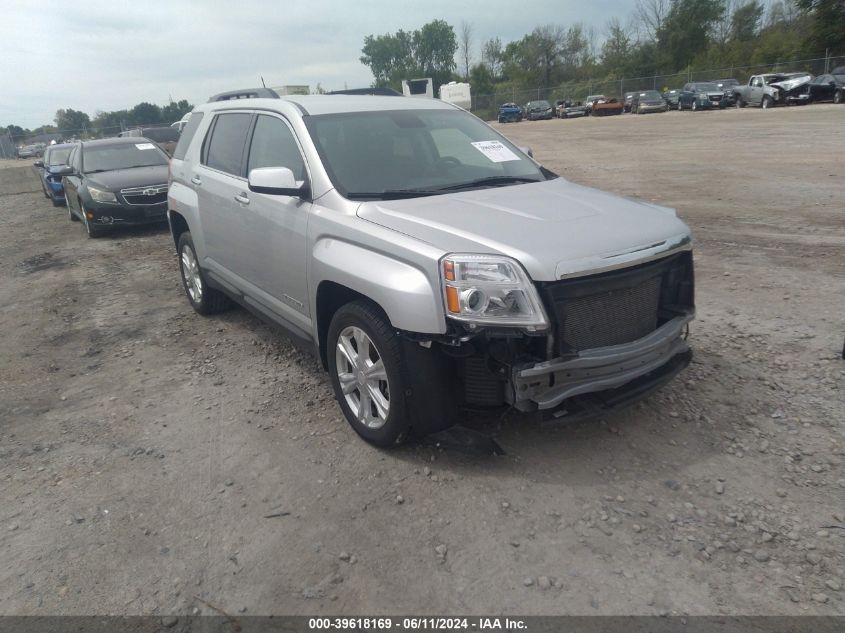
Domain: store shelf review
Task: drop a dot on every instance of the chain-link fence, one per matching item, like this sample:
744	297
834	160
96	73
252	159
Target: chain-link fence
486	106
9	143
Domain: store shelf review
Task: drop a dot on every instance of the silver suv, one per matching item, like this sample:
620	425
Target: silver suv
432	265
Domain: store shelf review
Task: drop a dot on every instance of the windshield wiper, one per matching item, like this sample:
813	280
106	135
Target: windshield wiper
394	194
489	181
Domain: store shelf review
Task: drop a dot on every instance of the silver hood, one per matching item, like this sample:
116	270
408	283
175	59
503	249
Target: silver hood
554	228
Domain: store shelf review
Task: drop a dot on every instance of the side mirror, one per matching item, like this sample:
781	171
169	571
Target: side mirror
39	163
277	181
527	150
64	170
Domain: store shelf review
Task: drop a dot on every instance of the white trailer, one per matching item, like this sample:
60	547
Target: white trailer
457	93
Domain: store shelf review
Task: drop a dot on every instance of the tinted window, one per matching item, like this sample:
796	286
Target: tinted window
273	145
226	147
161	134
187	135
122	156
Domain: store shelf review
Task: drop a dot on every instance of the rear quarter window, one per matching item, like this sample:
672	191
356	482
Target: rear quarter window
187	135
224	149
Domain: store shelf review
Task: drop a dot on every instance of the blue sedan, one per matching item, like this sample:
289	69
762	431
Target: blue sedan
55	156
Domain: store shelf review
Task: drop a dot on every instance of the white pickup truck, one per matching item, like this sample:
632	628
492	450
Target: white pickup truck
774	89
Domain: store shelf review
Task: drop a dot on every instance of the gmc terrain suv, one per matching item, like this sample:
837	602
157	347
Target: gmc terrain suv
431	264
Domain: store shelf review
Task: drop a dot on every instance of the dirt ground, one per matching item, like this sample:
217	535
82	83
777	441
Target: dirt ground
156	462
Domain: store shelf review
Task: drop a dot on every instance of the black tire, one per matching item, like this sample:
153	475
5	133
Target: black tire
767	102
419	380
680	105
739	102
208	300
56	202
70	214
694	106
838	97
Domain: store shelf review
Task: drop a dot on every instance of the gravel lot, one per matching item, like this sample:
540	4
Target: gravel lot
154	461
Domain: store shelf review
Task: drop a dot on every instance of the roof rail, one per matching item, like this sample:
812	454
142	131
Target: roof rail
248	93
382	92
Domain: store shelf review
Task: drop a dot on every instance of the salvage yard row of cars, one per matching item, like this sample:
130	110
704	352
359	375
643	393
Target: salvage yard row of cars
353	222
766	90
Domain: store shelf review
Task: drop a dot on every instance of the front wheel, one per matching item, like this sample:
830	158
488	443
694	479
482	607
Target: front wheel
365	365
837	97
694	106
92	231
680	107
767	102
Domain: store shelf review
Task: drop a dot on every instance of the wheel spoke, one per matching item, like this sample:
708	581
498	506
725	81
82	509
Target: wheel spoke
376	371
363	413
363	343
344	346
382	405
348	383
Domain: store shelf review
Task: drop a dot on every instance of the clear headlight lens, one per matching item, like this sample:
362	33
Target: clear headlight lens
490	290
102	196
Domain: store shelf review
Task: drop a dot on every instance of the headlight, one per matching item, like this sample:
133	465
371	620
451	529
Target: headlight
101	196
703	97
490	290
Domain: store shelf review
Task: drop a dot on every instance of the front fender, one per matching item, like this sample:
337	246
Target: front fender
404	292
182	199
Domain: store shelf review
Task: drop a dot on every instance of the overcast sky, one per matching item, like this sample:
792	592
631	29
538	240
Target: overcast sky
110	54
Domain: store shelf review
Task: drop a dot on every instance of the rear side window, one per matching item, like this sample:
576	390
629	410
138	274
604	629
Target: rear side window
225	149
273	145
187	134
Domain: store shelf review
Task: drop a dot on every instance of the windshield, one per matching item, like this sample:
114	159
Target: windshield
368	154
651	94
58	156
122	156
539	104
707	87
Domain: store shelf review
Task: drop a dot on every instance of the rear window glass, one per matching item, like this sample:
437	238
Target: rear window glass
187	135
225	148
161	134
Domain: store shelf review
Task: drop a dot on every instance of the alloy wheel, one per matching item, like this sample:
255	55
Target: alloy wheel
191	274
363	377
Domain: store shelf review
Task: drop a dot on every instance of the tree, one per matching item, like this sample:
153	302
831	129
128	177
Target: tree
745	21
616	49
175	110
465	47
684	34
492	56
145	114
649	16
72	121
426	52
827	25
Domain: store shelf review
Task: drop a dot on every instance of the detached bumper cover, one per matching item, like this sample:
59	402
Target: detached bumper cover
548	384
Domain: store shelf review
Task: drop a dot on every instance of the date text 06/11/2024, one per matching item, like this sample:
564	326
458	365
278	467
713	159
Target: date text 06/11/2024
417	624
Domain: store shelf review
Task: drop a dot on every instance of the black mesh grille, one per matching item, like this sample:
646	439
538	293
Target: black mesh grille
620	306
613	317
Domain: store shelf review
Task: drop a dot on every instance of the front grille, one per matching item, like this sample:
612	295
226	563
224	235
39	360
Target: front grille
612	318
715	98
620	306
145	196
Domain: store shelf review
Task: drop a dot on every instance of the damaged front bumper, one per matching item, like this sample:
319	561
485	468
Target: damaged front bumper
624	371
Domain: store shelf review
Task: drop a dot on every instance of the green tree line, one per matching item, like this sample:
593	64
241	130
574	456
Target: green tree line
659	37
74	123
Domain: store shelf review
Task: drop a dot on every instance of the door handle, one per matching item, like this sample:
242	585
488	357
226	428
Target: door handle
196	180
241	197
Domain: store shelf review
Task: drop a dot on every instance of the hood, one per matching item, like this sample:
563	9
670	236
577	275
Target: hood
793	83
135	177
554	228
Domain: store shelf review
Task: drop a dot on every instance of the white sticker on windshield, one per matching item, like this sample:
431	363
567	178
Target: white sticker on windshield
145	146
495	151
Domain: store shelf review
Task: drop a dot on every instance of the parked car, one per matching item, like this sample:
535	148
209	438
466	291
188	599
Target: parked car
591	100
626	102
700	95
774	89
573	111
165	137
30	151
510	113
671	98
648	101
429	262
116	182
727	87
558	107
55	157
607	107
537	110
830	87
